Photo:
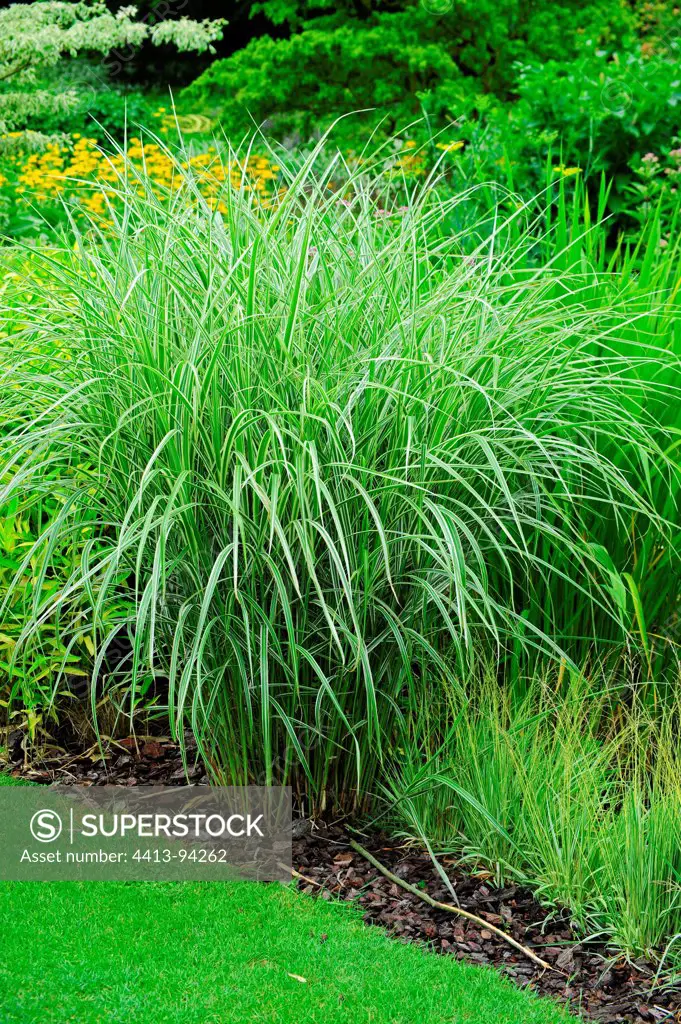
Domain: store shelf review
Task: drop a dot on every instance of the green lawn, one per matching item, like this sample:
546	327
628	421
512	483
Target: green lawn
212	953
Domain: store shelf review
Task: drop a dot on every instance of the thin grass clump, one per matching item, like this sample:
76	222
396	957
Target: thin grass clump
571	785
317	457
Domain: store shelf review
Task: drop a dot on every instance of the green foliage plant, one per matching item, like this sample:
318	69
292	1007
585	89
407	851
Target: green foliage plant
333	454
392	59
36	37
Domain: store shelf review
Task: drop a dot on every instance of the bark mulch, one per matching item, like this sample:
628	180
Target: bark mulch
132	761
590	981
588	978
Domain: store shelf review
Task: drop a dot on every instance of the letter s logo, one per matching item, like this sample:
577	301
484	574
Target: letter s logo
45	826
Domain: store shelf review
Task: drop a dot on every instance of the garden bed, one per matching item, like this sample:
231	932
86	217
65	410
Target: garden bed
586	976
343	452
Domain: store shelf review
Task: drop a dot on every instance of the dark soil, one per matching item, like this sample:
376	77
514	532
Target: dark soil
132	761
588	978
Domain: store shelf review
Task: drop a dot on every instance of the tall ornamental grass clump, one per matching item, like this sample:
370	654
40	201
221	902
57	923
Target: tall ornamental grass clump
317	457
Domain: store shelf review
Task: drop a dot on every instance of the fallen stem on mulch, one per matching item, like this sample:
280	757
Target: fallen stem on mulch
446	906
297	874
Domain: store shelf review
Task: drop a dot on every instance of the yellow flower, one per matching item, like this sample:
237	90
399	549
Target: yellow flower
449	147
567	172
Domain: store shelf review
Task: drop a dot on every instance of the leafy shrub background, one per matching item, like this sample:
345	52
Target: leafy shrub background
395	57
591	85
605	111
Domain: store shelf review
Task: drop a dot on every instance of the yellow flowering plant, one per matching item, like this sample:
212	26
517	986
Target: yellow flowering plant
76	178
44	189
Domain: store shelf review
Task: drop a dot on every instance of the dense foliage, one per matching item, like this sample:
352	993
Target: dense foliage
314	474
35	37
398	58
593	84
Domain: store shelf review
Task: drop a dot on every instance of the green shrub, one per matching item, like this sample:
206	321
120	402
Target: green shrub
300	84
390	59
111	110
605	110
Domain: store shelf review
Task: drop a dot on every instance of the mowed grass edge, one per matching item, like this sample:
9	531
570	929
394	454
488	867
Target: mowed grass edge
209	953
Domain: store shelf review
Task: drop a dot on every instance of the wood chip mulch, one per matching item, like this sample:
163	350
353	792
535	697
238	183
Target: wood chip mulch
131	761
591	981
